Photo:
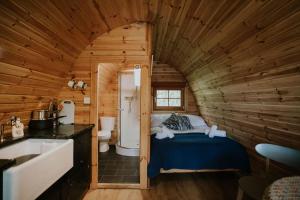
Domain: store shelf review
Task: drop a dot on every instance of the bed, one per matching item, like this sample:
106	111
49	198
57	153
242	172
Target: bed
196	152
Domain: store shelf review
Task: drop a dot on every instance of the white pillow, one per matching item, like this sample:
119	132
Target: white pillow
157	119
196	120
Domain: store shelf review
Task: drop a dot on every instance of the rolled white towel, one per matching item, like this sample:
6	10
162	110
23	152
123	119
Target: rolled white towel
212	131
156	129
220	133
165	133
161	136
206	131
168	131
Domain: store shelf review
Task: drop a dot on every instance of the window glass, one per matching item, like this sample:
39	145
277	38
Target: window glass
162	102
175	102
162	93
169	99
175	94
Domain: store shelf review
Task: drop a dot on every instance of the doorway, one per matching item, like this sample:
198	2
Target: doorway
119	99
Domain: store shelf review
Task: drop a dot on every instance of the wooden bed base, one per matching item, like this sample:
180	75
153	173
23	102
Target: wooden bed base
200	170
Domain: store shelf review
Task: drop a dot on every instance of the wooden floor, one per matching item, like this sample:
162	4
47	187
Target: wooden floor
197	186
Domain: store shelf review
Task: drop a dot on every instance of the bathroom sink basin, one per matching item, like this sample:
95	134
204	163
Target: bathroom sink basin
39	164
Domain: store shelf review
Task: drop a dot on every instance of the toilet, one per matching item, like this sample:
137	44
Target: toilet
107	125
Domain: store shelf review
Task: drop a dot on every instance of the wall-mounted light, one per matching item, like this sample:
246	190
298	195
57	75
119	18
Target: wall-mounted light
77	85
81	85
72	84
137	75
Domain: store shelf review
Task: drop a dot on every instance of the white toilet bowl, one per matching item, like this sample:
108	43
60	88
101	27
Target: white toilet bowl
103	137
107	125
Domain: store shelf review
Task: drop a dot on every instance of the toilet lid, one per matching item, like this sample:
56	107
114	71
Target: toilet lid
104	133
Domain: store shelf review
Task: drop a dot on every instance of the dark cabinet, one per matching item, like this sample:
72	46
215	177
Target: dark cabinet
79	177
52	192
75	183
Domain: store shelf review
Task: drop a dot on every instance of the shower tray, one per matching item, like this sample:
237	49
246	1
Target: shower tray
127	151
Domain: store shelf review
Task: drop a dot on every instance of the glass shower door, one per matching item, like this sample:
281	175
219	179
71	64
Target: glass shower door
129	111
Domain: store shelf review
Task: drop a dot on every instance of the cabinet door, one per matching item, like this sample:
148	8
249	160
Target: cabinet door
85	159
80	175
65	188
76	187
53	192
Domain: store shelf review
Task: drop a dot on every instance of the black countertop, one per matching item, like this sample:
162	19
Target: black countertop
61	132
6	163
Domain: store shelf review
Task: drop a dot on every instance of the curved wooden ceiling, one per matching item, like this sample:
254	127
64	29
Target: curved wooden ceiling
196	33
241	57
192	31
49	35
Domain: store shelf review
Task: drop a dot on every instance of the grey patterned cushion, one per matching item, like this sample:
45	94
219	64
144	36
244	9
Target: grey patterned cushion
184	122
178	122
172	122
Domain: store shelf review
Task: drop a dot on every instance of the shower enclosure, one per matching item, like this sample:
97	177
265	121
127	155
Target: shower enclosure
129	116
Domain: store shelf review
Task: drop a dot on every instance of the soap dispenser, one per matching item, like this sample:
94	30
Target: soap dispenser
17	128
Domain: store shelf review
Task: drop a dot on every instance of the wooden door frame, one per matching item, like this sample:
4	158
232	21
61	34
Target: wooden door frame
94	120
145	112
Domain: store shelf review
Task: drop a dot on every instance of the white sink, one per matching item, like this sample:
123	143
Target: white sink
29	179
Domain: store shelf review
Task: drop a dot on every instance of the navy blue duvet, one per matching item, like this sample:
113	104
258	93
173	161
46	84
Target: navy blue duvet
196	151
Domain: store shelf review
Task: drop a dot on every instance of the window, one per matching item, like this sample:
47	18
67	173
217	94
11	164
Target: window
168	98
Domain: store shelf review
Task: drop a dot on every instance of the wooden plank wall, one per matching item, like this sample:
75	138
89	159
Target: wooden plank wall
108	94
108	89
82	111
252	90
242	62
166	73
32	66
23	90
121	47
40	42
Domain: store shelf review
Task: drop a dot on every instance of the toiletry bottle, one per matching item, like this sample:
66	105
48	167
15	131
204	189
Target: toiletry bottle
17	128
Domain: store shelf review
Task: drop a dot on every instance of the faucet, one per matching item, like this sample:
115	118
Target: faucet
2	132
2	126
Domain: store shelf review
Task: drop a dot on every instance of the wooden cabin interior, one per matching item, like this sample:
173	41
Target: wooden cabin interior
164	77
